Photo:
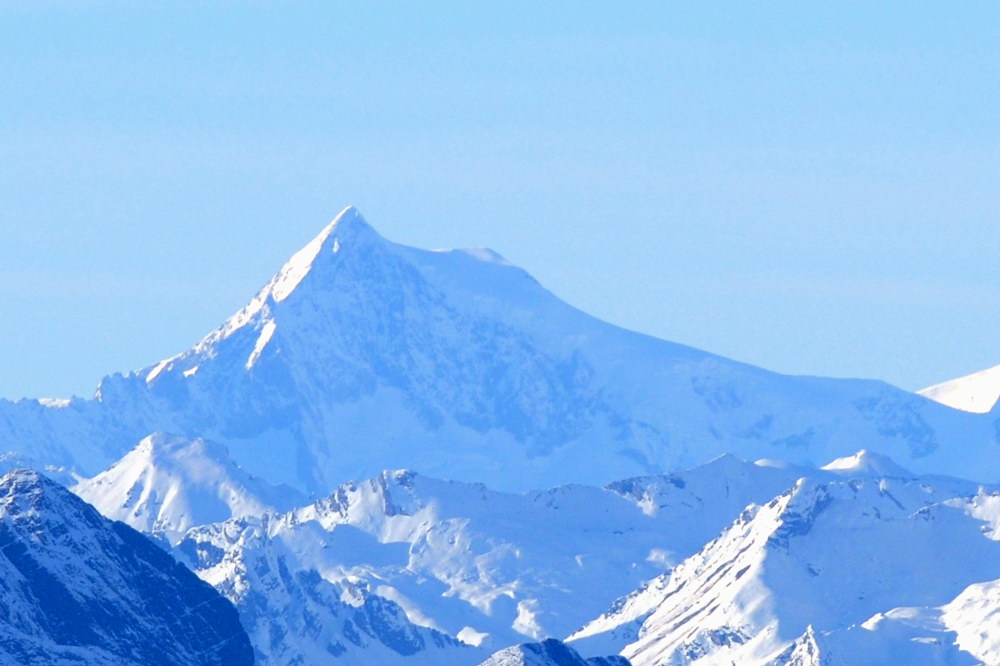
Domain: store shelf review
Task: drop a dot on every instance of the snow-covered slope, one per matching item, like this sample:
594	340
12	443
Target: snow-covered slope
495	568
168	484
362	355
79	589
974	617
807	569
296	616
549	652
977	393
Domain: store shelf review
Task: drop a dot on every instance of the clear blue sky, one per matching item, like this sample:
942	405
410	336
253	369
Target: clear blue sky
809	187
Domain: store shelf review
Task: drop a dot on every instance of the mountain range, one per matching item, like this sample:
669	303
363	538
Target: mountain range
400	456
362	355
80	589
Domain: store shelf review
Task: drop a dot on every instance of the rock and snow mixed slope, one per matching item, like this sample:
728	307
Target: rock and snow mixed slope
832	571
167	485
296	616
362	355
487	567
849	564
77	588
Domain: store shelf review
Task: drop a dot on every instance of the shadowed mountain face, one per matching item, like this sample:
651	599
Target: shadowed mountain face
362	355
78	588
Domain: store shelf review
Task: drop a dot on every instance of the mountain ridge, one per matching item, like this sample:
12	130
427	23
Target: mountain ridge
362	355
79	588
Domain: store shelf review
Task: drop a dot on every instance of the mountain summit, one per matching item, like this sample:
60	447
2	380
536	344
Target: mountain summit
362	354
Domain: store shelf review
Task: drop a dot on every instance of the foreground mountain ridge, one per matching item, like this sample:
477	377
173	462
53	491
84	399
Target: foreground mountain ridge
362	355
858	562
78	588
976	393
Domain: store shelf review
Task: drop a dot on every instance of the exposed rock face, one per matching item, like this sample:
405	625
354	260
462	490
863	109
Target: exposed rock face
548	653
78	588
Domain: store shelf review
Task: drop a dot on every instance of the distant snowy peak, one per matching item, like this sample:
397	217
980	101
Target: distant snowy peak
347	227
362	354
977	393
168	484
868	464
548	653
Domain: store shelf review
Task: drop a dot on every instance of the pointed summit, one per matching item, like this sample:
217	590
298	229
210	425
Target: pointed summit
348	224
168	484
363	354
347	230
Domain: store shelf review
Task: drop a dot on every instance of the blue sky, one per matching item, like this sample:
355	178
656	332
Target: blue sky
808	187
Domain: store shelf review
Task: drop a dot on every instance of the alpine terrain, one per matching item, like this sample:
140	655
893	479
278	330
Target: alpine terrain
362	355
408	457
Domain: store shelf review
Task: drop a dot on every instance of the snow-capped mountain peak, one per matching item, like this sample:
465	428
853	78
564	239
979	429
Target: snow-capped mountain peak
362	354
348	229
794	563
168	484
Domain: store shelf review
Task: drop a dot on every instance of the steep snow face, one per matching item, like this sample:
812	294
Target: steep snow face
362	355
975	393
168	484
78	588
807	566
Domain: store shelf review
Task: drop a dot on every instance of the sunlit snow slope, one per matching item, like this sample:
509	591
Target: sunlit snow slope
977	393
869	568
166	485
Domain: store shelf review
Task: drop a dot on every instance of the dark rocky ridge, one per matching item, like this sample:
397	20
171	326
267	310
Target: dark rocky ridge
78	588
